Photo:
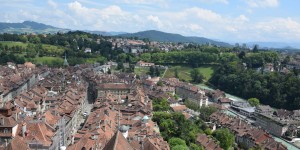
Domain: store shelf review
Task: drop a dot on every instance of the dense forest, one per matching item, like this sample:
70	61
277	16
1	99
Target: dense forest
274	89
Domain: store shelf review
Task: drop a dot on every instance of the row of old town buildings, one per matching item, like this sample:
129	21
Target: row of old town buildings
74	108
83	107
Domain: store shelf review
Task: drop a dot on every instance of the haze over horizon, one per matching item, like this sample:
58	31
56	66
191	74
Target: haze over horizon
225	20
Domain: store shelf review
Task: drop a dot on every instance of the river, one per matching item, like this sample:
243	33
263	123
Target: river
235	98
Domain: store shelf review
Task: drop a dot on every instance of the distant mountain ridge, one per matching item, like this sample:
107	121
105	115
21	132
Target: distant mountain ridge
276	45
40	28
29	27
104	33
171	37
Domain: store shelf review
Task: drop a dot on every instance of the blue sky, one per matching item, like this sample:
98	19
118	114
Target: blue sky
226	20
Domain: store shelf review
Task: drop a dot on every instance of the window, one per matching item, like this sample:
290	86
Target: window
5	130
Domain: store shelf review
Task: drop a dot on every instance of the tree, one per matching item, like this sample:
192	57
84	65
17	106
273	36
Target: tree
205	112
169	128
122	57
23	39
208	131
298	134
242	55
120	66
35	40
196	75
109	71
146	57
258	147
253	101
255	48
159	83
157	72
195	147
180	147
288	133
131	68
176	141
286	60
176	72
152	71
189	131
191	105
161	105
225	137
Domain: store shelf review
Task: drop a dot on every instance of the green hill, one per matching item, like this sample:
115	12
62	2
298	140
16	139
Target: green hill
170	37
28	27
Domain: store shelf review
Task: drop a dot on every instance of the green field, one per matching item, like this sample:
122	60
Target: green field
141	71
51	61
11	44
184	72
57	50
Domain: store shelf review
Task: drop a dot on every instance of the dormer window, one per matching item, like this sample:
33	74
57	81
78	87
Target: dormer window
5	130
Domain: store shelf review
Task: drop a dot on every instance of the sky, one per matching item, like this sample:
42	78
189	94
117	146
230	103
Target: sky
225	20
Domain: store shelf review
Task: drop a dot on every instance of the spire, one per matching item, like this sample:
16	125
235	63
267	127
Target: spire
66	61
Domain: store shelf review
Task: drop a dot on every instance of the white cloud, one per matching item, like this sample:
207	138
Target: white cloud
155	20
282	28
108	18
161	3
215	1
206	14
141	1
52	4
242	18
262	3
193	27
192	21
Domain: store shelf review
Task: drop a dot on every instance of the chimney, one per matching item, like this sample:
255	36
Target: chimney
43	118
23	129
72	141
17	116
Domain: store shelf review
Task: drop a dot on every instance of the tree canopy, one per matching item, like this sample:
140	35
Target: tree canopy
225	137
253	101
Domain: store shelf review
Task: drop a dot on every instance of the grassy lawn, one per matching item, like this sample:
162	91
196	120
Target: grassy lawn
11	44
141	71
144	71
207	72
47	47
184	72
48	60
53	48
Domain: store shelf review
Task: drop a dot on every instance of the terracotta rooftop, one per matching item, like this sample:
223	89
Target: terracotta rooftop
118	142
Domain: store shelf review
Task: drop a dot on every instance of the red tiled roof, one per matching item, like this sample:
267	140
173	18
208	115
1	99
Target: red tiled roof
118	142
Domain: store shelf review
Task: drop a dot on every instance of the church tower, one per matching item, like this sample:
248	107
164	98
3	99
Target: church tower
66	61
